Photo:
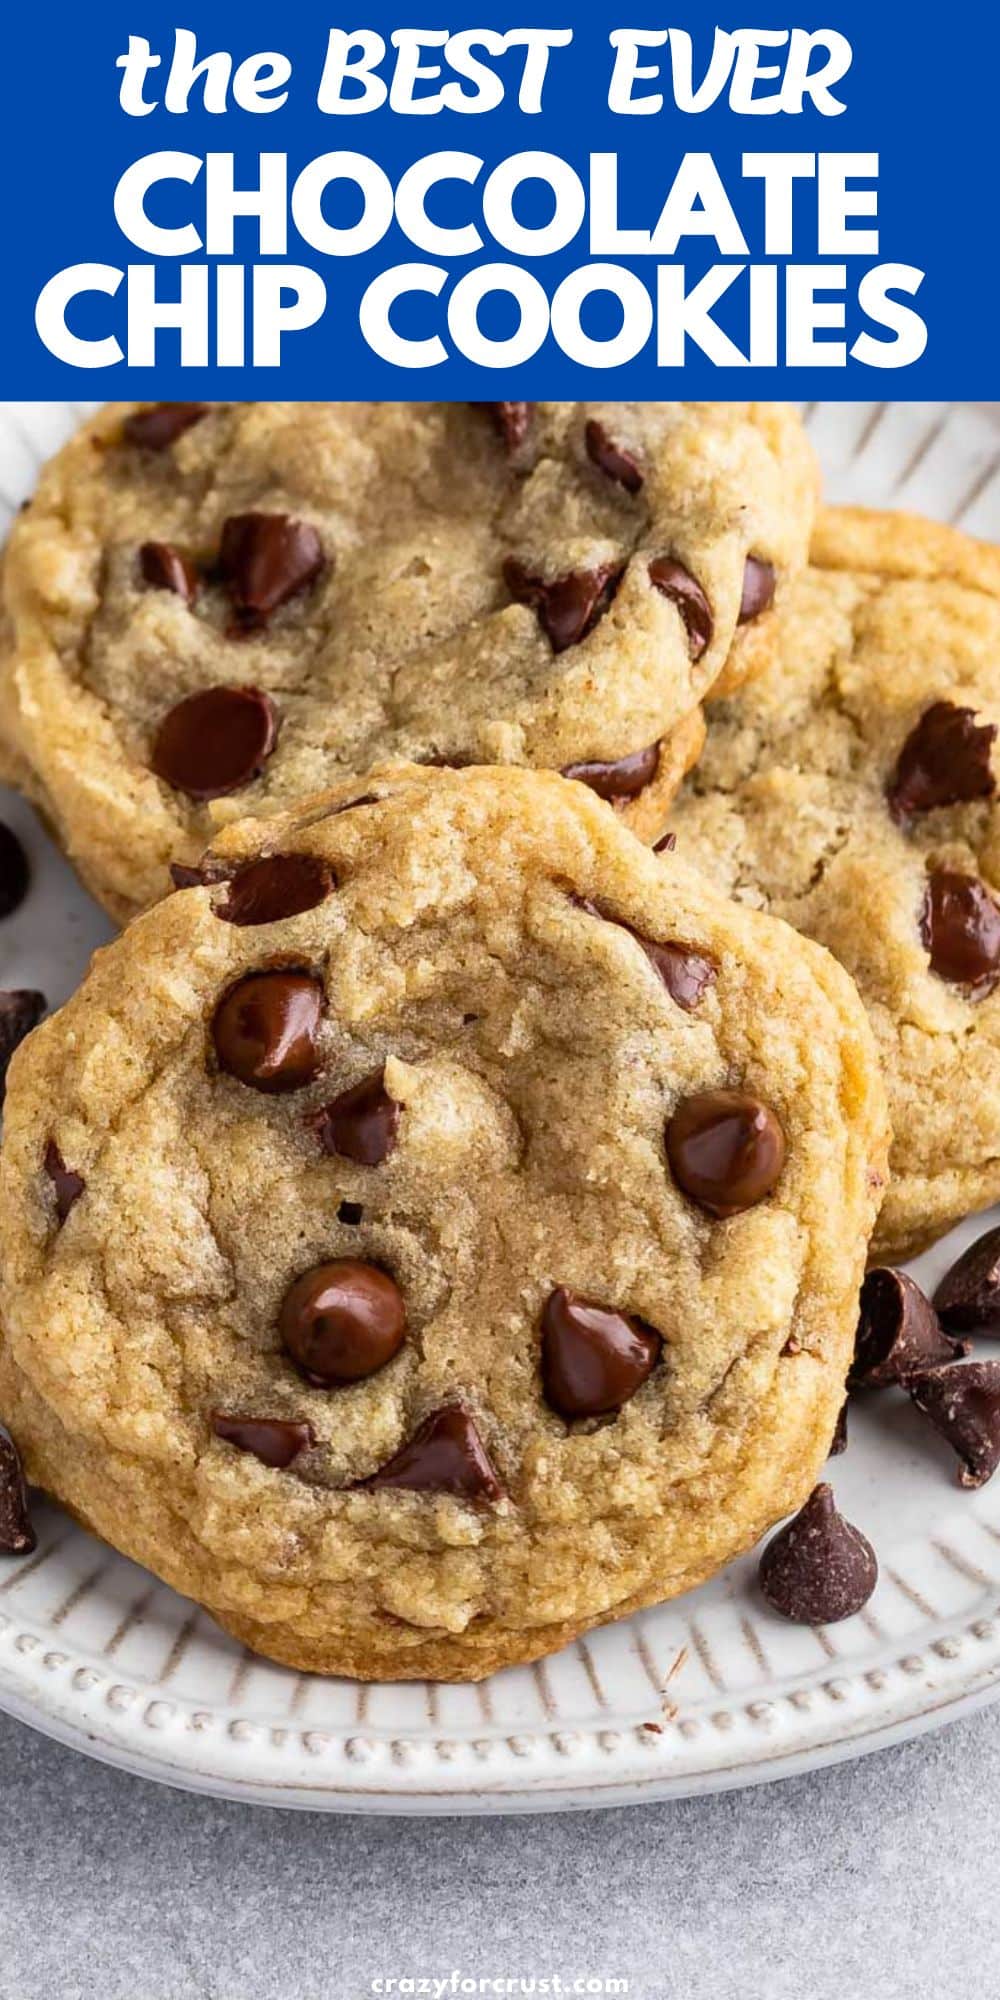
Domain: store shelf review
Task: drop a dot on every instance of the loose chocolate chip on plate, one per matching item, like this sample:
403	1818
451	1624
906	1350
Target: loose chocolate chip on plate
622	780
266	1028
156	428
960	928
215	742
274	1440
962	1401
944	761
276	886
838	1442
67	1186
612	458
968	1296
20	1011
672	580
818	1568
568	607
898	1332
17	1536
265	559
593	1357
164	568
726	1149
513	421
14	872
342	1321
446	1455
361	1123
758	589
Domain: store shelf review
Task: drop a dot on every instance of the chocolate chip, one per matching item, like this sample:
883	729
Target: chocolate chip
165	568
672	580
342	1321
264	559
205	874
898	1332
622	780
20	1011
960	928
161	425
611	458
274	1440
17	1536
838	1442
726	1149
818	1569
968	1296
215	742
67	1185
593	1358
266	1030
361	1124
14	872
568	607
944	761
962	1401
758	589
513	421
350	1213
446	1455
276	886
666	844
685	972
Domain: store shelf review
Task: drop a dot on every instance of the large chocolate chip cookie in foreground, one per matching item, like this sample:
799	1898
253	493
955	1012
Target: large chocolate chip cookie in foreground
415	1275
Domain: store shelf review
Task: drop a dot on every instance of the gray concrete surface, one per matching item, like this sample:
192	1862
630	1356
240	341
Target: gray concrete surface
880	1878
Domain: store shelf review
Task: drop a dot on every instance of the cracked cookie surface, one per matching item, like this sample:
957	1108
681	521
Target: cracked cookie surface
852	790
211	611
438	1229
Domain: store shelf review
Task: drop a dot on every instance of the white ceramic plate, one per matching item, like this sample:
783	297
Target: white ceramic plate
708	1692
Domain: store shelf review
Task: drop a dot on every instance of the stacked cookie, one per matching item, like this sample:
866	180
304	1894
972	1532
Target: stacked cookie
437	1226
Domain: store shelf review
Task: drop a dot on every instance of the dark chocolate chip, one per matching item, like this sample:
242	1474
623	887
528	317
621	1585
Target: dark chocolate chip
818	1568
264	559
446	1455
968	1296
342	1321
165	568
838	1442
568	607
274	1440
215	742
14	872
611	458
672	580
513	421
593	1357
960	928
67	1186
20	1011
666	843
944	761
684	971
361	1123
622	780
898	1332
266	1030
350	1213
726	1149
274	887
161	425
758	589
17	1536
962	1401
204	874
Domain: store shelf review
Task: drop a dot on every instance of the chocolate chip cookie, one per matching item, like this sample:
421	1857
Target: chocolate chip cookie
437	1229
852	790
212	611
